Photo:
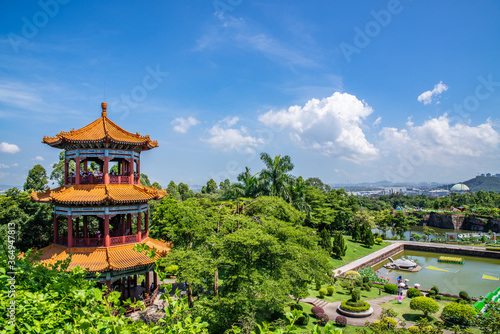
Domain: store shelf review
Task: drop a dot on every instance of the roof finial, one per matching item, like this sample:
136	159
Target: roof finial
104	106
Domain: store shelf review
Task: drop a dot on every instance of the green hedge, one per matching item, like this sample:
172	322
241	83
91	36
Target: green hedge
391	288
496	249
346	307
412	292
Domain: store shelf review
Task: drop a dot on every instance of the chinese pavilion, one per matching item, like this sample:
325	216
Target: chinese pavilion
99	216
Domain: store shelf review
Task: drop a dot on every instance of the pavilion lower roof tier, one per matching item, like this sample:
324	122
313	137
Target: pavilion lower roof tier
99	194
98	134
100	259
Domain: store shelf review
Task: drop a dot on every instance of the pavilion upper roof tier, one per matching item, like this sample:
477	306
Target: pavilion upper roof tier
99	259
99	194
101	133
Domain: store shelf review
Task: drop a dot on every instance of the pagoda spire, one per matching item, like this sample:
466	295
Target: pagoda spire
104	106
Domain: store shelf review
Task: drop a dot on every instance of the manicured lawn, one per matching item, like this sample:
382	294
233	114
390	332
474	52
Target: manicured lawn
355	251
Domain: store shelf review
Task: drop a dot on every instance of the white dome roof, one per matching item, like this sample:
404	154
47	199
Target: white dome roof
459	187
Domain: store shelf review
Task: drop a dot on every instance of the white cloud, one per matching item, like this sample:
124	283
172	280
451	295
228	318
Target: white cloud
438	142
15	164
4	166
182	125
228	139
237	32
39	158
426	97
331	125
9	148
377	121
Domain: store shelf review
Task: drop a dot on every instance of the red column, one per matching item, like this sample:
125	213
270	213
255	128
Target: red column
70	231
77	171
139	171
85	231
85	166
106	231
131	170
106	170
155	280
139	218
56	228
146	233
66	171
123	228
129	281
147	284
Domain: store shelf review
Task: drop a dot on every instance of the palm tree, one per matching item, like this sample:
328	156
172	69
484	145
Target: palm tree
297	190
250	186
275	175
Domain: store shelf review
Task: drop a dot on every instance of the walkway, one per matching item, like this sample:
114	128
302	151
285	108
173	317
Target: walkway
366	258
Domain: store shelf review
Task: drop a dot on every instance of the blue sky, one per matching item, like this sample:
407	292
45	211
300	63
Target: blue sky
404	91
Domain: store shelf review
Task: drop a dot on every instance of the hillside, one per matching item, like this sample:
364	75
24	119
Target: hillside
484	183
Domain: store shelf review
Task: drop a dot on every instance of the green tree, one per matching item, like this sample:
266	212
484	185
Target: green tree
276	174
339	245
367	235
489	322
424	304
173	191
325	240
37	179
250	186
156	185
356	231
145	180
211	186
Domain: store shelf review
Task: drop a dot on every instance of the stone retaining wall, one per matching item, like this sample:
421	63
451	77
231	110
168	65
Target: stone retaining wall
452	250
380	257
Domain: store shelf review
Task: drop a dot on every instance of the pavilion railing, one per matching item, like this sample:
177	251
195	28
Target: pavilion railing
62	240
98	242
119	179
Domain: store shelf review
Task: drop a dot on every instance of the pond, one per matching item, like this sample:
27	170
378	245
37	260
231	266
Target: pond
478	276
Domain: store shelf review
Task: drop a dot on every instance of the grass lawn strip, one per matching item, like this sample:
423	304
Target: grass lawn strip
355	251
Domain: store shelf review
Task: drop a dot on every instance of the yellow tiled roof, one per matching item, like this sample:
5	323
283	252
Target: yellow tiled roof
99	194
100	130
100	259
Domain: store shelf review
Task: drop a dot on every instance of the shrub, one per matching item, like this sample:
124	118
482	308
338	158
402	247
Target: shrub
296	307
351	274
391	288
460	314
464	295
350	308
316	310
389	322
356	295
318	285
424	304
412	292
330	290
438	297
378	241
341	321
322	293
303	320
366	280
417	330
322	319
435	289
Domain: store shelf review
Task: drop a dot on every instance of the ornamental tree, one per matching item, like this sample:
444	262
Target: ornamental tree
424	304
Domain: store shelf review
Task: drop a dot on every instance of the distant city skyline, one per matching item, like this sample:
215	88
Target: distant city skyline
400	91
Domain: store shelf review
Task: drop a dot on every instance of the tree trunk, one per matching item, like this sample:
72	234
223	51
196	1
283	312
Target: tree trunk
216	280
190	296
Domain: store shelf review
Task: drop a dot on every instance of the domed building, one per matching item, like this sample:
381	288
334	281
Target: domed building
460	188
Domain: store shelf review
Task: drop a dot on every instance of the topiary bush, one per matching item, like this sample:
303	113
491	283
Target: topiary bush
424	304
322	293
341	321
391	288
460	314
435	290
322	318
364	306
351	274
303	320
412	292
330	290
378	241
356	295
316	310
465	296
296	307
